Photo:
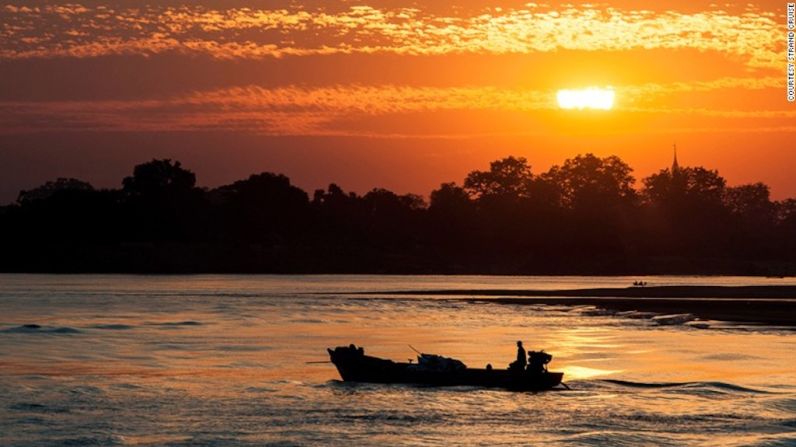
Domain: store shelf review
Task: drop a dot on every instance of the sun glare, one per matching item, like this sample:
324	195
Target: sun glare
587	98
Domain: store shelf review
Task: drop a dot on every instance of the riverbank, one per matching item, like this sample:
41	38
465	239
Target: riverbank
770	305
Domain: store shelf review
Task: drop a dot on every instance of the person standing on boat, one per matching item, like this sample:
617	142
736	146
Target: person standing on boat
521	361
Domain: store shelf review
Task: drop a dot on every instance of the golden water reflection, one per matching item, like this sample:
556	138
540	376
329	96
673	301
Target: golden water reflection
581	372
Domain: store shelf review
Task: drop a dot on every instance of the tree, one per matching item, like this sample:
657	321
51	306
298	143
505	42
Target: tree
582	216
508	177
786	212
450	199
382	201
590	183
751	203
786	226
753	218
340	217
451	218
265	190
162	202
157	177
686	214
52	188
335	203
689	187
263	207
598	198
67	209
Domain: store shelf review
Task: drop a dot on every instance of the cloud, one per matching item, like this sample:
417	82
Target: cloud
296	110
79	31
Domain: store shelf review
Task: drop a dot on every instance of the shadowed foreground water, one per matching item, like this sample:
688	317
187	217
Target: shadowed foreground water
221	360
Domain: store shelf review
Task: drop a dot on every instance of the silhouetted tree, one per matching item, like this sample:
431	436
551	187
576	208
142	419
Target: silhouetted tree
450	200
392	218
51	188
686	213
158	177
67	210
753	217
598	194
264	207
687	187
582	216
589	183
163	203
508	177
786	211
451	220
785	235
339	211
751	203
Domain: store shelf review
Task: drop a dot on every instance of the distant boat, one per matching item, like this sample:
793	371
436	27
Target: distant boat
432	370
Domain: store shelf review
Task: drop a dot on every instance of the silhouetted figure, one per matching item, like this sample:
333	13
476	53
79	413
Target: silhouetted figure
520	363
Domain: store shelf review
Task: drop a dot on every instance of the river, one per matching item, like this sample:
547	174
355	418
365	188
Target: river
222	360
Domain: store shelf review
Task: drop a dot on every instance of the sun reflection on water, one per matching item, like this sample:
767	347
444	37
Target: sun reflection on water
573	372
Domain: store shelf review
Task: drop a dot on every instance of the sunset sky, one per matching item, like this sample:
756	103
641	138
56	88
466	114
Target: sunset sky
390	93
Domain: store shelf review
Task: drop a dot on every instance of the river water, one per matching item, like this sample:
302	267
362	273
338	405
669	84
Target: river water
222	360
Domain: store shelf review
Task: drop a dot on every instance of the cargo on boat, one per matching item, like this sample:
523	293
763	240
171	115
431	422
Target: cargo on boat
433	370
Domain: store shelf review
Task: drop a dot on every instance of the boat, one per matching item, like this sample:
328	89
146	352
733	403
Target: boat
433	370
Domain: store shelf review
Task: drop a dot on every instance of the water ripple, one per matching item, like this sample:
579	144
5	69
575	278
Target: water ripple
38	329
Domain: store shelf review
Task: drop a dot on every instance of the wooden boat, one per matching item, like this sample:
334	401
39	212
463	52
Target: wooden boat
354	366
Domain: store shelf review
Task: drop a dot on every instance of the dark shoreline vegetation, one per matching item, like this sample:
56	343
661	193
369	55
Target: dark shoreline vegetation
586	216
772	305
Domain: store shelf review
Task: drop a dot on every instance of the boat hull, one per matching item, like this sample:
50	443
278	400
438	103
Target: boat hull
363	368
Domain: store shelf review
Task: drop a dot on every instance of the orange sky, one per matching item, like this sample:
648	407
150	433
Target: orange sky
389	93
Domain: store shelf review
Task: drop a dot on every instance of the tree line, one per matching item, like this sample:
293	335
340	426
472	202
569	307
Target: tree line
587	215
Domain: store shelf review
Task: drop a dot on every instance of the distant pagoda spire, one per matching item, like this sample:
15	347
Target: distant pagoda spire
675	164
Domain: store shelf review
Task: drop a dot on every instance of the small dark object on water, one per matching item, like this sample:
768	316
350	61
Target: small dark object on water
538	360
433	370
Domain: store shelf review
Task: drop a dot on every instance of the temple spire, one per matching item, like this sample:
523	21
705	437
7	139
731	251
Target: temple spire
675	165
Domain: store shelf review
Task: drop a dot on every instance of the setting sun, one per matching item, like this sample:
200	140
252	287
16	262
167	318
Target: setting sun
587	98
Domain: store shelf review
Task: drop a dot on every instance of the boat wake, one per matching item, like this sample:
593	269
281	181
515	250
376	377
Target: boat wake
687	386
696	388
